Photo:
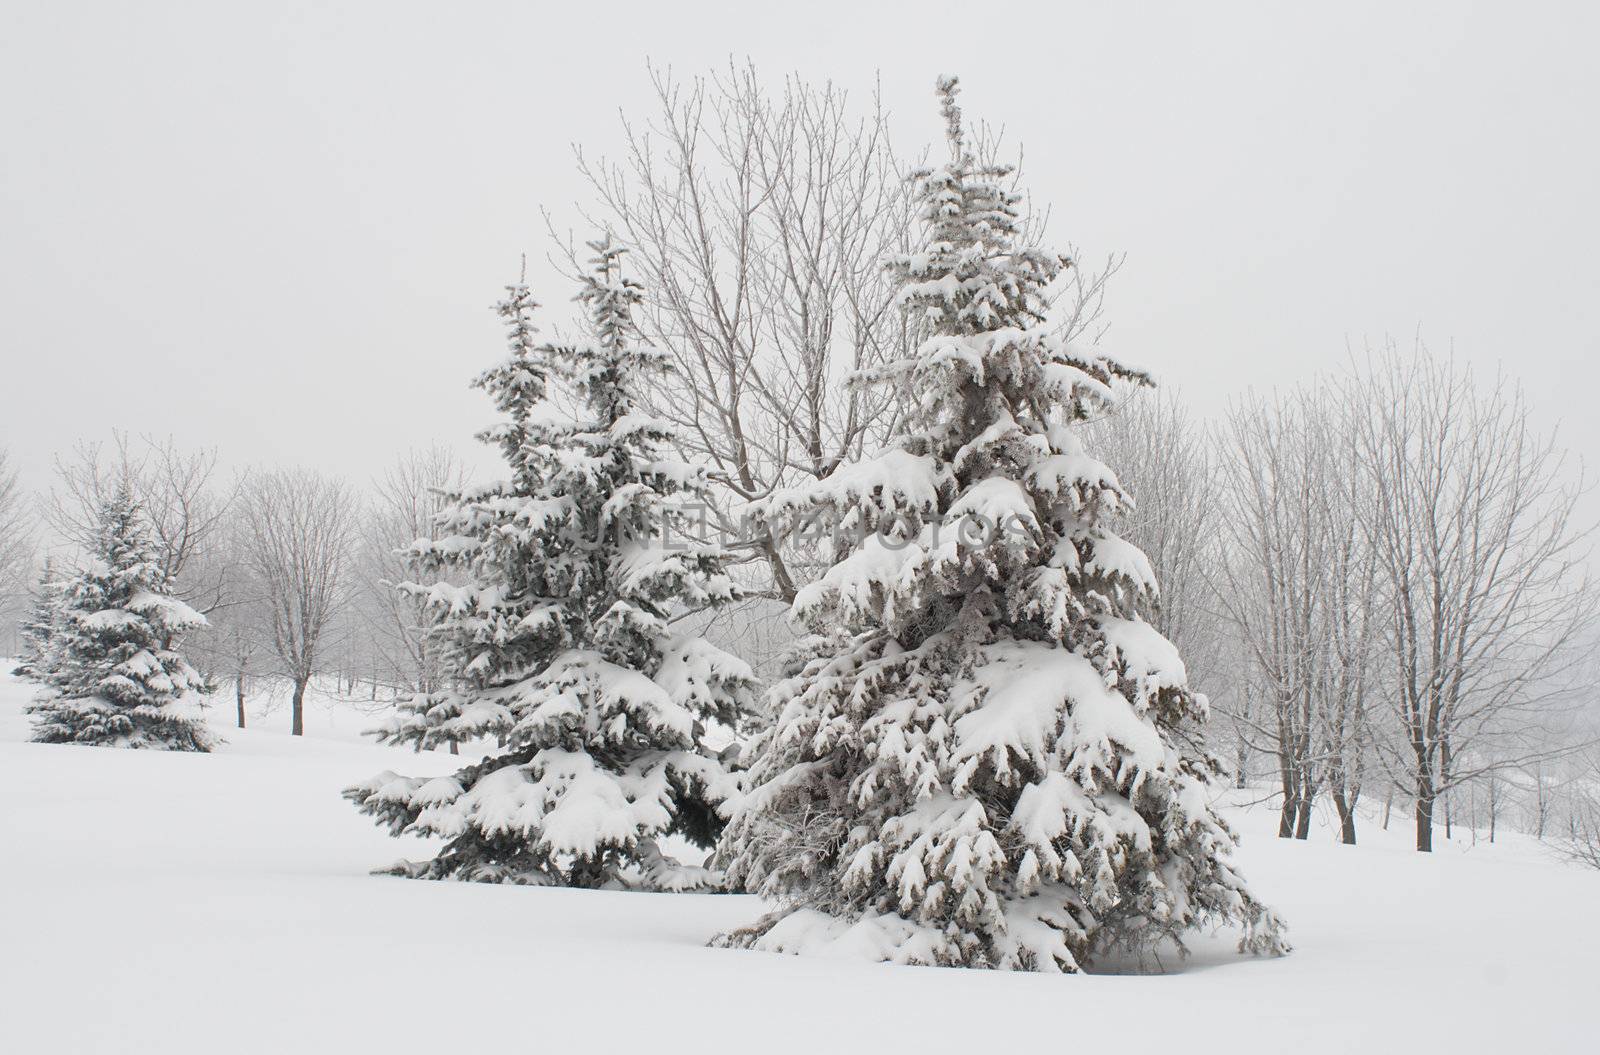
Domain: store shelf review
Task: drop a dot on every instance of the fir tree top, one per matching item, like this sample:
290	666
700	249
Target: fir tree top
629	498
39	627
587	546
518	384
971	274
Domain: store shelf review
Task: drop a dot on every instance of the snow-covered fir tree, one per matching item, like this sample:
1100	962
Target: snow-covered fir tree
480	645
38	629
558	634
113	672
1002	766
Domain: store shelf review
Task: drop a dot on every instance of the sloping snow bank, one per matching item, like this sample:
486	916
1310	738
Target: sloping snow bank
201	903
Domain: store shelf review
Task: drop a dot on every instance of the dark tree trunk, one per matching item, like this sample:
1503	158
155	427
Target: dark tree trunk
1305	798
1347	817
1291	801
238	689
1425	821
297	722
1444	782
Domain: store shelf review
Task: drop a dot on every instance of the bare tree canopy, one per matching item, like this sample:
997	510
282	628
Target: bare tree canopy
759	220
16	538
1164	456
1296	583
404	507
1486	589
302	530
184	502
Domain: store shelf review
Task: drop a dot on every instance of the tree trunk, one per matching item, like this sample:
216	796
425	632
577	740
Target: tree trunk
1541	804
1388	805
238	688
1472	812
297	723
1444	782
1305	797
1291	797
1347	817
1425	821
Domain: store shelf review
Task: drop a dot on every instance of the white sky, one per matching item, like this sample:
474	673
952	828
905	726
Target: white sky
276	228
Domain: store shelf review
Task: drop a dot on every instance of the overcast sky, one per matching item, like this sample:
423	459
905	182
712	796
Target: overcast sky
276	228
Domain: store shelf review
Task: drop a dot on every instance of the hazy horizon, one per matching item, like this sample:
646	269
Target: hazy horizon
278	232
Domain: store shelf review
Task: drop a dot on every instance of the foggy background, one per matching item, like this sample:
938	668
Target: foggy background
277	229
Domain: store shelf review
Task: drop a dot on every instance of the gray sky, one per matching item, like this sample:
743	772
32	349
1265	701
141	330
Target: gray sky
276	228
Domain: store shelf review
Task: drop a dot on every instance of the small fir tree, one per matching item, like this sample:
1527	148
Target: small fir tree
39	628
998	764
559	642
113	672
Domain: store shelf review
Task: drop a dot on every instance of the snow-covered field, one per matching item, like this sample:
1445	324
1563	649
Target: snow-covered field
198	903
328	716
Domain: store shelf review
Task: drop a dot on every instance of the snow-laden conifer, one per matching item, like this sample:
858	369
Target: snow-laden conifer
112	671
558	635
1001	766
38	628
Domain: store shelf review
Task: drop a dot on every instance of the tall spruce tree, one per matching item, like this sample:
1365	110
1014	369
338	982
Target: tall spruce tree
38	629
560	643
114	674
1001	766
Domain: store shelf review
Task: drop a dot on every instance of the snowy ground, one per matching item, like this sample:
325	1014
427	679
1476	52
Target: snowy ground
328	715
193	903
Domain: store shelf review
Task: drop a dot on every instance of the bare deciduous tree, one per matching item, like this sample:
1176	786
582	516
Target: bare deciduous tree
302	531
1346	673
1166	460
1297	584
406	501
1486	593
16	540
182	499
1267	582
1163	457
230	647
759	222
1581	841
